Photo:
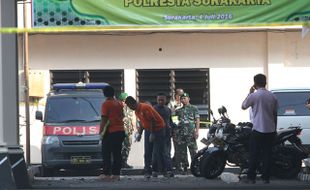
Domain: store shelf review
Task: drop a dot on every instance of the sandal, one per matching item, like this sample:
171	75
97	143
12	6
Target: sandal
105	177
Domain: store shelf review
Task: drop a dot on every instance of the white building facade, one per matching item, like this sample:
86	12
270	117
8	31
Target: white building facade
233	57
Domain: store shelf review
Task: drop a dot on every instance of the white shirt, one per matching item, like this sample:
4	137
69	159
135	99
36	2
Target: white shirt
264	110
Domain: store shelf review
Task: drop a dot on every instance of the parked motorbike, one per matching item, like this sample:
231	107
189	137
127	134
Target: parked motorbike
227	143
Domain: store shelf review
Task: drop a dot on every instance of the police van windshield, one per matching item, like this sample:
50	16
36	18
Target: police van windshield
292	103
73	109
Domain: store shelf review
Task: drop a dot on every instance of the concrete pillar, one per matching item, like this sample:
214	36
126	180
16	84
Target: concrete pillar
266	62
9	130
12	162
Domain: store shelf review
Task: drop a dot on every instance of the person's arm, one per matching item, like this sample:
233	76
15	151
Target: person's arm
197	123
247	102
275	114
139	127
103	123
104	117
138	133
155	118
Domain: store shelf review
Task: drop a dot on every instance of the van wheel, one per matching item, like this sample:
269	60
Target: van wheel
47	172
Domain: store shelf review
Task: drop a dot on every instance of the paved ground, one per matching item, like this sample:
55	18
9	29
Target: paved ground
161	183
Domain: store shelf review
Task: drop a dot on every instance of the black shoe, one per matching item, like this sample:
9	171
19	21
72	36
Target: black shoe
178	170
266	181
154	174
147	175
248	181
185	169
169	174
125	165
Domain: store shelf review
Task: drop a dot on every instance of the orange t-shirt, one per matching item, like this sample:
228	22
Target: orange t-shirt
113	109
147	114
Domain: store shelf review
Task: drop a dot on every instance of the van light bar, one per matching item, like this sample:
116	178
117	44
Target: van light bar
61	86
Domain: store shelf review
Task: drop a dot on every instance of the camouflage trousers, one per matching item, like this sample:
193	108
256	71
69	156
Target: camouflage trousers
126	147
182	141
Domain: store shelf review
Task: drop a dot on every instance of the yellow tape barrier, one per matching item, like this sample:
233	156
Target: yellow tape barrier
63	29
205	122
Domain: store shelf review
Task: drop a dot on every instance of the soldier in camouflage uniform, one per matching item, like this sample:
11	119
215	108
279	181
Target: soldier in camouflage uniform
186	133
174	105
128	126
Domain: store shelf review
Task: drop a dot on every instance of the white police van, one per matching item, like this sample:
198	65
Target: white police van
292	111
71	126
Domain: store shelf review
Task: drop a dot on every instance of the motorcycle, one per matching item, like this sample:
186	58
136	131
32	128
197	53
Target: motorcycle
230	147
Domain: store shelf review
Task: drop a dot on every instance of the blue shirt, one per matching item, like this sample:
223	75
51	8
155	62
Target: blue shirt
165	113
264	110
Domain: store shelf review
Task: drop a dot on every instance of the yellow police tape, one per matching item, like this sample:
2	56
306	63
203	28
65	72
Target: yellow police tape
70	29
63	29
205	122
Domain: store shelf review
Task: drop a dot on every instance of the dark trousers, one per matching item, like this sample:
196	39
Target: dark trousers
155	153
112	146
148	150
168	149
260	151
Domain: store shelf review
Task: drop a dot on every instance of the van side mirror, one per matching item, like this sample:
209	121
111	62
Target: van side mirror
39	115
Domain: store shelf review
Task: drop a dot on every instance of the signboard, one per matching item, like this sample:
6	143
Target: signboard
170	13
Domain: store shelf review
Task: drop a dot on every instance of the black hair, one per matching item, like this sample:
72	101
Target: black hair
108	91
130	100
260	80
161	94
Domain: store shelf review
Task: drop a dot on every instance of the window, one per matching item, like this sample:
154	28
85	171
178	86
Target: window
292	103
113	77
73	109
193	81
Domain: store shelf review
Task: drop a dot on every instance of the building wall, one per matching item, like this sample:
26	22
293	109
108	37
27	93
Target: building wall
233	58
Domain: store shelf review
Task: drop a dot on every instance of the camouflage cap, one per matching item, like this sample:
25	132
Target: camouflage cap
184	95
122	96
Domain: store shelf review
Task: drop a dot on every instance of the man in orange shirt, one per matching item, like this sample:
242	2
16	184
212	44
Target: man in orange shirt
113	137
154	126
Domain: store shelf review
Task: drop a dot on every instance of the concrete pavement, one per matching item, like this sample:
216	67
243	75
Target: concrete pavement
162	183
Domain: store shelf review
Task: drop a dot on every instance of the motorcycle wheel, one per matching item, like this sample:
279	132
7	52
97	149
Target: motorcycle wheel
195	169
286	164
212	165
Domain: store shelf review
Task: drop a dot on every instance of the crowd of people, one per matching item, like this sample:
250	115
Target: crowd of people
178	122
163	123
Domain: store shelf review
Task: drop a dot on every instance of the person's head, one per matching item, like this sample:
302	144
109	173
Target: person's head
260	80
108	91
308	103
185	98
131	103
122	97
178	93
161	99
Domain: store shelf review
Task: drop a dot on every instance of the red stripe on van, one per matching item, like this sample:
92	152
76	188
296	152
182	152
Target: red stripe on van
71	130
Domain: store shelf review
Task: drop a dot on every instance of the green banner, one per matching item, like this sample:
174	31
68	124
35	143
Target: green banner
170	13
